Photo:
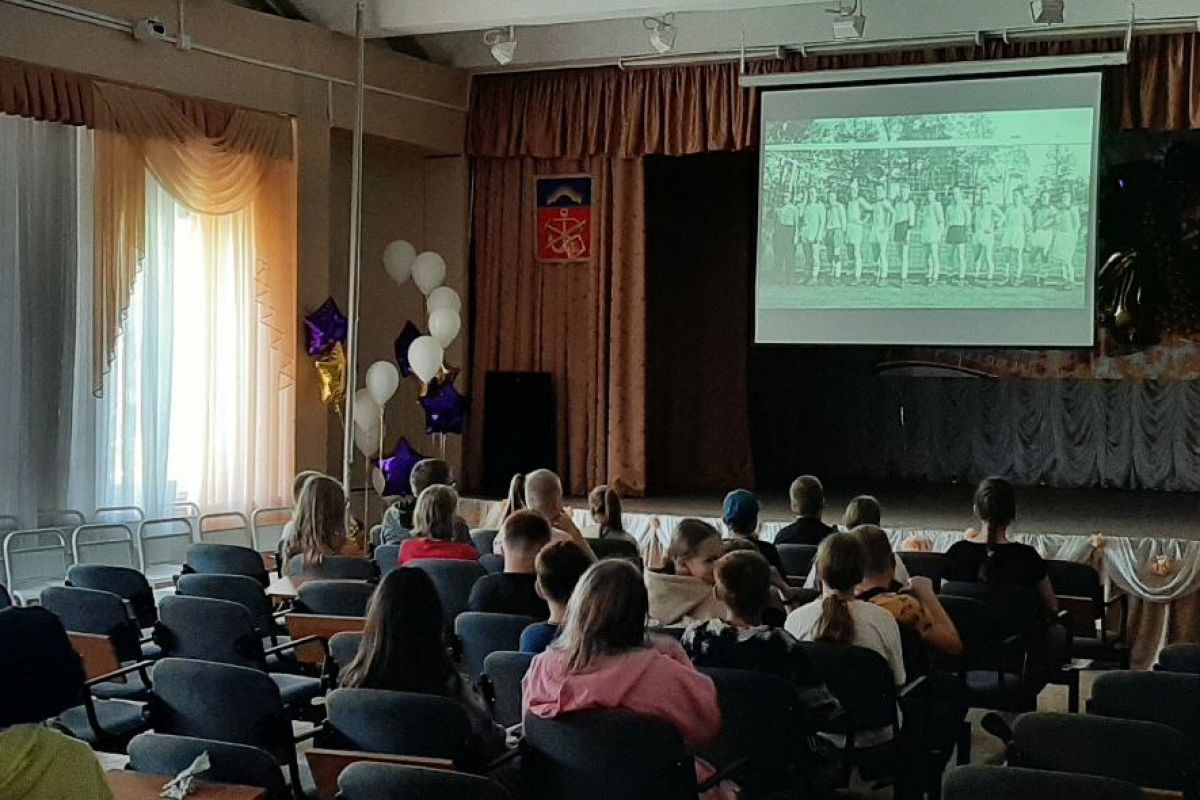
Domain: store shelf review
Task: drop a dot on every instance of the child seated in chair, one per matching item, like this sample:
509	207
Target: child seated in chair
682	591
559	567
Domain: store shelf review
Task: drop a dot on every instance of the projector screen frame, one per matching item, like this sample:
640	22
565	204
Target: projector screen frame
1098	127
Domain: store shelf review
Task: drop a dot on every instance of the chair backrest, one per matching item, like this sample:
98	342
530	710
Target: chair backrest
599	755
125	582
245	591
505	671
207	629
105	543
164	754
927	565
797	558
343	647
1145	754
266	526
335	598
484	539
1018	609
301	626
481	634
614	548
96	612
5	598
227	559
1179	658
862	682
1075	579
222	702
492	563
400	723
979	631
332	568
1014	783
1168	698
387	558
762	722
453	580
367	781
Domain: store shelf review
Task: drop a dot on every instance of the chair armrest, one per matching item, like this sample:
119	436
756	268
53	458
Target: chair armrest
141	667
501	760
293	644
908	687
304	737
724	773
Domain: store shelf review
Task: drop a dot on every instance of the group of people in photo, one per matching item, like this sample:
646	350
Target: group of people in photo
873	231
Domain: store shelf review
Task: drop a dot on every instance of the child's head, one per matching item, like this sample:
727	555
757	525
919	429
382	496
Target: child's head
862	510
807	496
606	614
743	584
525	533
740	512
320	518
995	505
695	548
435	512
605	505
559	567
543	493
840	563
402	647
300	480
430	472
879	563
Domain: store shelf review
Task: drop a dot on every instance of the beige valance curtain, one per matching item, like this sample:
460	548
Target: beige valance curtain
242	161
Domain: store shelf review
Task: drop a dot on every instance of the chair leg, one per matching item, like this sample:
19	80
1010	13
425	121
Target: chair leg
963	749
1073	692
294	778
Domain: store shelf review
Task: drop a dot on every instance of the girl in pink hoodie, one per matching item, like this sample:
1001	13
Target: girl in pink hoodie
603	659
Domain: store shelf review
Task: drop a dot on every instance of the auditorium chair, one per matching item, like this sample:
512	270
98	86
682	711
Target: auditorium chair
492	563
5	597
927	565
763	737
223	632
1079	589
226	559
453	580
347	568
484	539
503	672
387	558
36	654
1179	658
1014	783
226	703
128	584
863	683
334	598
481	633
600	755
245	591
104	614
1168	698
797	559
240	764
615	548
343	647
1145	754
370	781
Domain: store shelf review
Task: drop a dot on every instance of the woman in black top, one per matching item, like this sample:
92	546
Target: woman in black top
997	560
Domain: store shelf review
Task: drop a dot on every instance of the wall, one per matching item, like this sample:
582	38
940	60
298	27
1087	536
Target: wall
421	117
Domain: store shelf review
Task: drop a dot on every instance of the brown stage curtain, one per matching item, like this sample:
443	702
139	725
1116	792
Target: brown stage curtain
584	323
700	108
247	165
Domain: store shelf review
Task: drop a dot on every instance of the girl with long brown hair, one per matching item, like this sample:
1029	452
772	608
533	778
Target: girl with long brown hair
320	522
604	503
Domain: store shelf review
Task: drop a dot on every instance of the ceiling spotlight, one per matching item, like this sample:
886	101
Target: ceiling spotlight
503	44
851	20
662	32
1047	11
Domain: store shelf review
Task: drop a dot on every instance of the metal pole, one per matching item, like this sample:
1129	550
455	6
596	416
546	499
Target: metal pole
355	266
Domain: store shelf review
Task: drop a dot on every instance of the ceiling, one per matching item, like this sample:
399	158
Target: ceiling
554	33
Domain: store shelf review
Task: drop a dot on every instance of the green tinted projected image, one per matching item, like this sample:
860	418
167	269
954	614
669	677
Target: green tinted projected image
980	210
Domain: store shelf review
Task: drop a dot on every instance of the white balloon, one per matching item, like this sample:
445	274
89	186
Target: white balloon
428	271
425	356
378	481
398	258
443	325
382	381
366	410
443	297
367	439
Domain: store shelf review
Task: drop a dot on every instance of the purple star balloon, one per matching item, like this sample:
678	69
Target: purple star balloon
324	327
445	408
409	333
397	467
